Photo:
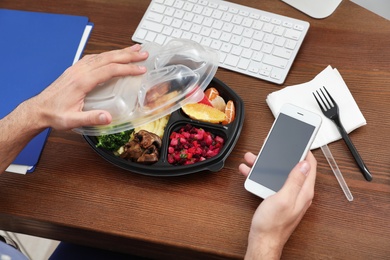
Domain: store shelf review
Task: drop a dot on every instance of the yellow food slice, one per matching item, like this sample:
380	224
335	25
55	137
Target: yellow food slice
156	127
204	113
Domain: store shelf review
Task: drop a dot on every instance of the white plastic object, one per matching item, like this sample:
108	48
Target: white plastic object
177	74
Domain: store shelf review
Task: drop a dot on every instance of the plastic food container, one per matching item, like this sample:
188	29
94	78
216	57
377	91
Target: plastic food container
230	133
178	73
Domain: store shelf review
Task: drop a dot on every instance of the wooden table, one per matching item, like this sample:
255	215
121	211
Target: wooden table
74	195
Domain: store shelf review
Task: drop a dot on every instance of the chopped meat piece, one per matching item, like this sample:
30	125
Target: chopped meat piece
149	156
144	148
147	139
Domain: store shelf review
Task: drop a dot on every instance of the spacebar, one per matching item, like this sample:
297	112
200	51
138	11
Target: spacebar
275	61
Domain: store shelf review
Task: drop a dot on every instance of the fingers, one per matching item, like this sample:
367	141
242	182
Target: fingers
121	56
95	69
90	118
112	70
296	180
250	159
307	192
244	169
299	186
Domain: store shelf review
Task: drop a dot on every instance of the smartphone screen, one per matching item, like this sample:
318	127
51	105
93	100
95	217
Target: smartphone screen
284	147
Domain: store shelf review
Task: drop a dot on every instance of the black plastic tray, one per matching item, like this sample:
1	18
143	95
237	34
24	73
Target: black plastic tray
229	132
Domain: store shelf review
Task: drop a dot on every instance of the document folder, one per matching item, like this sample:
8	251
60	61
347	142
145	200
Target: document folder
35	49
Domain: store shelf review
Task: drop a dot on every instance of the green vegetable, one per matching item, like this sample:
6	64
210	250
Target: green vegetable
113	142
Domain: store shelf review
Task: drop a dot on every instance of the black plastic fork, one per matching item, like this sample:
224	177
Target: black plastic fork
331	110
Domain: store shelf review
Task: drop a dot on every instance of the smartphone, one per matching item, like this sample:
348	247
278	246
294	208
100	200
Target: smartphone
287	143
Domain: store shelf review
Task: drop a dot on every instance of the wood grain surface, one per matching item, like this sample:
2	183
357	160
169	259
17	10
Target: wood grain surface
76	196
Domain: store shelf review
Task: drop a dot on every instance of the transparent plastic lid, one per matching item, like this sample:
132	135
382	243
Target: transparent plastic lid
177	74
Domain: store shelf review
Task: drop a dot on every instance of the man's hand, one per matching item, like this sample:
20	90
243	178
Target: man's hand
60	105
278	215
62	102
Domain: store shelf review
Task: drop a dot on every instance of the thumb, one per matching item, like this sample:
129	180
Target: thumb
296	179
96	117
88	118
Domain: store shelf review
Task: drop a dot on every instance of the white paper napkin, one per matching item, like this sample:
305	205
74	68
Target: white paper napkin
301	95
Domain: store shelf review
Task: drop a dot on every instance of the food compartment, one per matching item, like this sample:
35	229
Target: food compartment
205	152
178	119
222	97
190	144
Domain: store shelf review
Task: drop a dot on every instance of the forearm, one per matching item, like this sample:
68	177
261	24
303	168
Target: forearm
260	248
17	129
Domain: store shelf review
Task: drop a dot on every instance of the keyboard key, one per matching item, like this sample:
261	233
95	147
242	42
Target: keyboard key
206	41
290	44
152	26
236	50
275	61
155	17
225	37
186	26
232	60
196	28
268	28
216	44
178	4
256	45
298	27
267	48
243	63
206	31
186	35
265	73
158	8
254	67
150	36
179	14
233	10
279	41
176	33
198	19
282	52
215	34
188	7
176	23
278	30
223	8
196	38
257	56
292	34
160	39
142	33
167	20
236	39
276	75
169	2
188	16
217	14
247	53
287	24
269	38
226	47
169	11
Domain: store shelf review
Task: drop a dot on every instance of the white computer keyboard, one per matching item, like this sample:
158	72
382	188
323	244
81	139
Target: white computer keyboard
249	41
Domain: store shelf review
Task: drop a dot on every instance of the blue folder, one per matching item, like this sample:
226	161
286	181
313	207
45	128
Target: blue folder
35	49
